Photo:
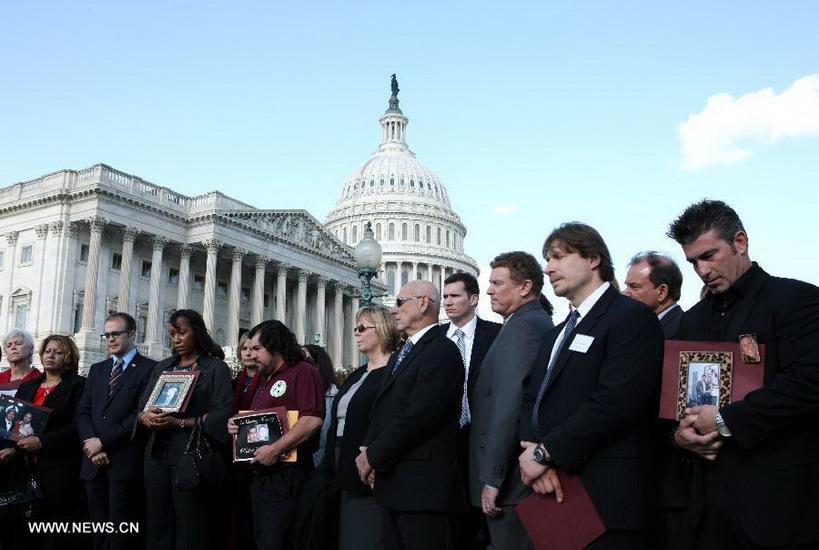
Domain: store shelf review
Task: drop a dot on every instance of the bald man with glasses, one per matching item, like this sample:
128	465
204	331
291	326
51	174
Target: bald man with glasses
409	453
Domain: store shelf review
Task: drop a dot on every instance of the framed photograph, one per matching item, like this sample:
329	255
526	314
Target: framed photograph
173	390
705	379
256	429
21	418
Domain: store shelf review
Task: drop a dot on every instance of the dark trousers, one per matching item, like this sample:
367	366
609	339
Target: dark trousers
470	526
417	530
117	501
624	540
273	496
177	520
719	527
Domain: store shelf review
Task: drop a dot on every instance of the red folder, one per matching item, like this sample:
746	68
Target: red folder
569	525
745	377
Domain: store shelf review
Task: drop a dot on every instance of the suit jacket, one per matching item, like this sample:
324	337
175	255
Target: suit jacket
111	418
671	322
212	394
413	428
493	444
485	334
599	406
61	446
774	435
356	423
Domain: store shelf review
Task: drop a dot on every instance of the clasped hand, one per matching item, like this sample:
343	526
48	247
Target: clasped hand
156	419
542	479
698	432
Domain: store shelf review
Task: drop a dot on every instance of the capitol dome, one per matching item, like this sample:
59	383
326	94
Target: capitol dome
408	206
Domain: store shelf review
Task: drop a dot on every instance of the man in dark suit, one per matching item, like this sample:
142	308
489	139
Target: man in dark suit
495	484
591	400
656	280
106	415
473	336
410	445
757	484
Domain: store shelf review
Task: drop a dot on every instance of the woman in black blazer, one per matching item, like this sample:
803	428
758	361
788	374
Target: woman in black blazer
360	517
179	519
55	455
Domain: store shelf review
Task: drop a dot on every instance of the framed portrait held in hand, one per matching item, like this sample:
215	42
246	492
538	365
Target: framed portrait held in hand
172	391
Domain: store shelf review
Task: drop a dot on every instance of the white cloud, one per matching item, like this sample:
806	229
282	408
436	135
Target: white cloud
725	131
505	209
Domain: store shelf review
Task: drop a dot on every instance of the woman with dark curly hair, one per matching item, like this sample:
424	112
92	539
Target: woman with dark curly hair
178	518
55	455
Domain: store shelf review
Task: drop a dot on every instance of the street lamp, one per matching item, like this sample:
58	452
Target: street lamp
368	258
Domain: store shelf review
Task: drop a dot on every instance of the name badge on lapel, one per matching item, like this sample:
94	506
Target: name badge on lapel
581	343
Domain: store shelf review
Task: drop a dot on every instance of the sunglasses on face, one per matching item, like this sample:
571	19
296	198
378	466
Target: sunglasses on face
401	301
360	329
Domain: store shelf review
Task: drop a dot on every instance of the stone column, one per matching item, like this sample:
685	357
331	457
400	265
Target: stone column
63	314
96	225
281	292
301	306
338	326
154	301
60	253
443	276
399	279
232	335
185	252
414	271
354	305
258	291
124	297
210	282
40	259
321	292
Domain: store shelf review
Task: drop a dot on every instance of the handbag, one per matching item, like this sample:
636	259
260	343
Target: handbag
199	465
23	501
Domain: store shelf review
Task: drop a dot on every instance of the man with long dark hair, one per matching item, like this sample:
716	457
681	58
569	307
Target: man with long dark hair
286	380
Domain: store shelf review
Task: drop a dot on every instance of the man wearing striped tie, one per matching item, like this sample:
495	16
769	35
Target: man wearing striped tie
494	477
112	466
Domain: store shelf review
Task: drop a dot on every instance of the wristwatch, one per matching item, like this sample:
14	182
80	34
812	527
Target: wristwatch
722	429
541	457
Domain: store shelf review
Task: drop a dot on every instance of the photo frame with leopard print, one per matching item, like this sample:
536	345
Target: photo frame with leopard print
706	373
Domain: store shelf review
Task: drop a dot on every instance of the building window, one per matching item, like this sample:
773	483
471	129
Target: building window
377	238
417	232
20	315
355	233
173	276
116	261
266	301
439	236
391	232
391	281
404	277
221	289
26	254
146	269
245	295
142	322
447	238
403	231
84	252
198	282
344	235
2	259
429	234
78	318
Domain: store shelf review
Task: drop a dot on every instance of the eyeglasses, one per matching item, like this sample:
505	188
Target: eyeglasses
53	351
113	334
401	301
361	328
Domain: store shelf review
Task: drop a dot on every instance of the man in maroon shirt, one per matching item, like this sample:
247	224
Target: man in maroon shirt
286	380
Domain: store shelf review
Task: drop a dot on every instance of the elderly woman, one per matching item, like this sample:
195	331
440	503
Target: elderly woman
18	346
360	519
55	455
178	518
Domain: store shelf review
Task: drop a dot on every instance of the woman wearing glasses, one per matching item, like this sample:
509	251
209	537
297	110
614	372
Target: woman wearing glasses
177	518
55	455
360	518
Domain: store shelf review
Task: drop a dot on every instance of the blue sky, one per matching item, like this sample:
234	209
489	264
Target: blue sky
531	113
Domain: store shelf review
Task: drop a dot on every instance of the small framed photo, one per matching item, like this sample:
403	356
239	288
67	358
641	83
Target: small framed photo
21	418
173	390
256	429
749	347
705	378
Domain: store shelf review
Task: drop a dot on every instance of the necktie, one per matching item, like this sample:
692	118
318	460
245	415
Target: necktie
570	323
115	374
405	349
459	341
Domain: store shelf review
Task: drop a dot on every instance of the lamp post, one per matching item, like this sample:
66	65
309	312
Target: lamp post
368	258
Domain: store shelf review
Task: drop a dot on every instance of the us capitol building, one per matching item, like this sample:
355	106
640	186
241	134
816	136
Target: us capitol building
77	245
